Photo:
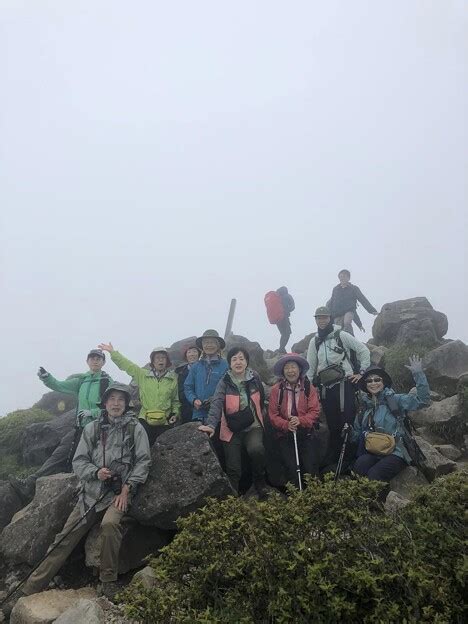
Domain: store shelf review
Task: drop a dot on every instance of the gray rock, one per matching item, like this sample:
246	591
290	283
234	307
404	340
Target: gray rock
46	607
428	434
10	503
137	543
40	439
443	412
449	450
377	355
407	481
409	321
302	346
176	350
394	503
32	529
57	403
443	366
146	577
85	610
184	473
257	361
435	464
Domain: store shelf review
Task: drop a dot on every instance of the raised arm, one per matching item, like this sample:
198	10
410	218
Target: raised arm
422	398
122	362
68	386
365	302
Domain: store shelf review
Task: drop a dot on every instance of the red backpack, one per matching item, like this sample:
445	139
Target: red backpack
274	306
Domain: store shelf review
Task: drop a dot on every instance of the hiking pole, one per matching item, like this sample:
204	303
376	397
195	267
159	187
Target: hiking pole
342	453
49	552
298	465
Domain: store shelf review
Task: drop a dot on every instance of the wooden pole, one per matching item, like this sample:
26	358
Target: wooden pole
230	320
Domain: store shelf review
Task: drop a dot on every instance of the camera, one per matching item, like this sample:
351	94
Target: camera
114	483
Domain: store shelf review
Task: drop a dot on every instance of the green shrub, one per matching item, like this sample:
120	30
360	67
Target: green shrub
12	426
11	465
327	555
396	357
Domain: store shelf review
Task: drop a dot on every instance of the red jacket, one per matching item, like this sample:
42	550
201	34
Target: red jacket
308	408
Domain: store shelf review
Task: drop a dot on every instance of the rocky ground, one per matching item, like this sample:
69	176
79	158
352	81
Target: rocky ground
186	471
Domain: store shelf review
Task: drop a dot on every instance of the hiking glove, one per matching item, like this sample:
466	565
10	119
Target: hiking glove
42	373
415	364
83	414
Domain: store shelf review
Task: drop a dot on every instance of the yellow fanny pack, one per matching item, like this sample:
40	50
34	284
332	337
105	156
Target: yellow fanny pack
155	417
380	443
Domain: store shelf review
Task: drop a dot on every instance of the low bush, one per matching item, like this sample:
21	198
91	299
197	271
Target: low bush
327	555
12	426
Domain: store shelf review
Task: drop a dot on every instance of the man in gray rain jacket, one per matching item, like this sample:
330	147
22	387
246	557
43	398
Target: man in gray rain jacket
115	445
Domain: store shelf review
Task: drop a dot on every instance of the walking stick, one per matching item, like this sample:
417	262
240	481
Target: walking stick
342	453
298	465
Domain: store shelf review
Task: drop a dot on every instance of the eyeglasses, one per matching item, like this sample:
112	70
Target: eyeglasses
370	380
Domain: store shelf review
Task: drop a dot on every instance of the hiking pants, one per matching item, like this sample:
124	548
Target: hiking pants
336	419
154	431
252	441
111	530
284	328
378	468
59	460
307	445
346	322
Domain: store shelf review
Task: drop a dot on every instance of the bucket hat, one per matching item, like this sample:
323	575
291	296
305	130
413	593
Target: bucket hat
211	333
322	311
375	370
291	357
161	350
115	385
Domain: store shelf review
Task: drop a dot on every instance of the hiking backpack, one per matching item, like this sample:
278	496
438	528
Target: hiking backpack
274	307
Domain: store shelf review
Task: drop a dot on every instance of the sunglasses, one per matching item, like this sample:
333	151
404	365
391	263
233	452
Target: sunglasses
370	380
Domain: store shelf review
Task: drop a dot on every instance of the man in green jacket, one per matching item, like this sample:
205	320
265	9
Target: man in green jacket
88	387
159	393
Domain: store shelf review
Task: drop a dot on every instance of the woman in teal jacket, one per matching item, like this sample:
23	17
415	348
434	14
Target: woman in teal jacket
383	413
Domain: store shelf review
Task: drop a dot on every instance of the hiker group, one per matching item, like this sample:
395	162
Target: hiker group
255	436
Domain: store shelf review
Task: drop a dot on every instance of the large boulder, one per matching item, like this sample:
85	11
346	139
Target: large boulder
449	450
10	503
176	350
407	481
57	403
137	543
40	439
302	346
435	464
257	361
409	321
443	366
85	610
46	607
377	354
32	529
184	473
442	421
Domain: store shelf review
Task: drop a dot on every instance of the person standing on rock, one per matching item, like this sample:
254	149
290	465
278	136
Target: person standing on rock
88	387
331	355
191	355
204	375
238	404
160	406
279	305
381	458
294	410
344	301
112	459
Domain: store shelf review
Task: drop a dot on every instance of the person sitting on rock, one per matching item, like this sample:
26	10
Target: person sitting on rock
191	355
112	459
88	388
160	406
332	356
382	458
343	303
238	404
204	375
294	409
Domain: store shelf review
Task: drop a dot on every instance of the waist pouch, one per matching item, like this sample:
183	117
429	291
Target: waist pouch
379	443
331	375
238	421
155	417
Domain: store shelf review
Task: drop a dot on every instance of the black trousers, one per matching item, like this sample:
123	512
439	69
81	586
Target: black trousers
378	468
336	419
154	431
307	446
284	328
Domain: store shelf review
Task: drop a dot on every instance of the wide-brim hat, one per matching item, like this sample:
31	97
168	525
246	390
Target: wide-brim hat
210	333
115	386
375	370
291	357
97	352
161	350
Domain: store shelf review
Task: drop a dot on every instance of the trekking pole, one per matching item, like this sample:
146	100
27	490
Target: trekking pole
342	453
49	552
298	465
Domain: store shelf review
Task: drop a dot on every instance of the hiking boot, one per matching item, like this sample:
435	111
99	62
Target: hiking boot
109	589
25	488
261	488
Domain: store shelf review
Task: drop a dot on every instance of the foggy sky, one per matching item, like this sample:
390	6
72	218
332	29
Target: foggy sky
157	159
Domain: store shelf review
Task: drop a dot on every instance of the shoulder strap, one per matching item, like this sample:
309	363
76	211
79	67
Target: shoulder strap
281	394
307	387
103	383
